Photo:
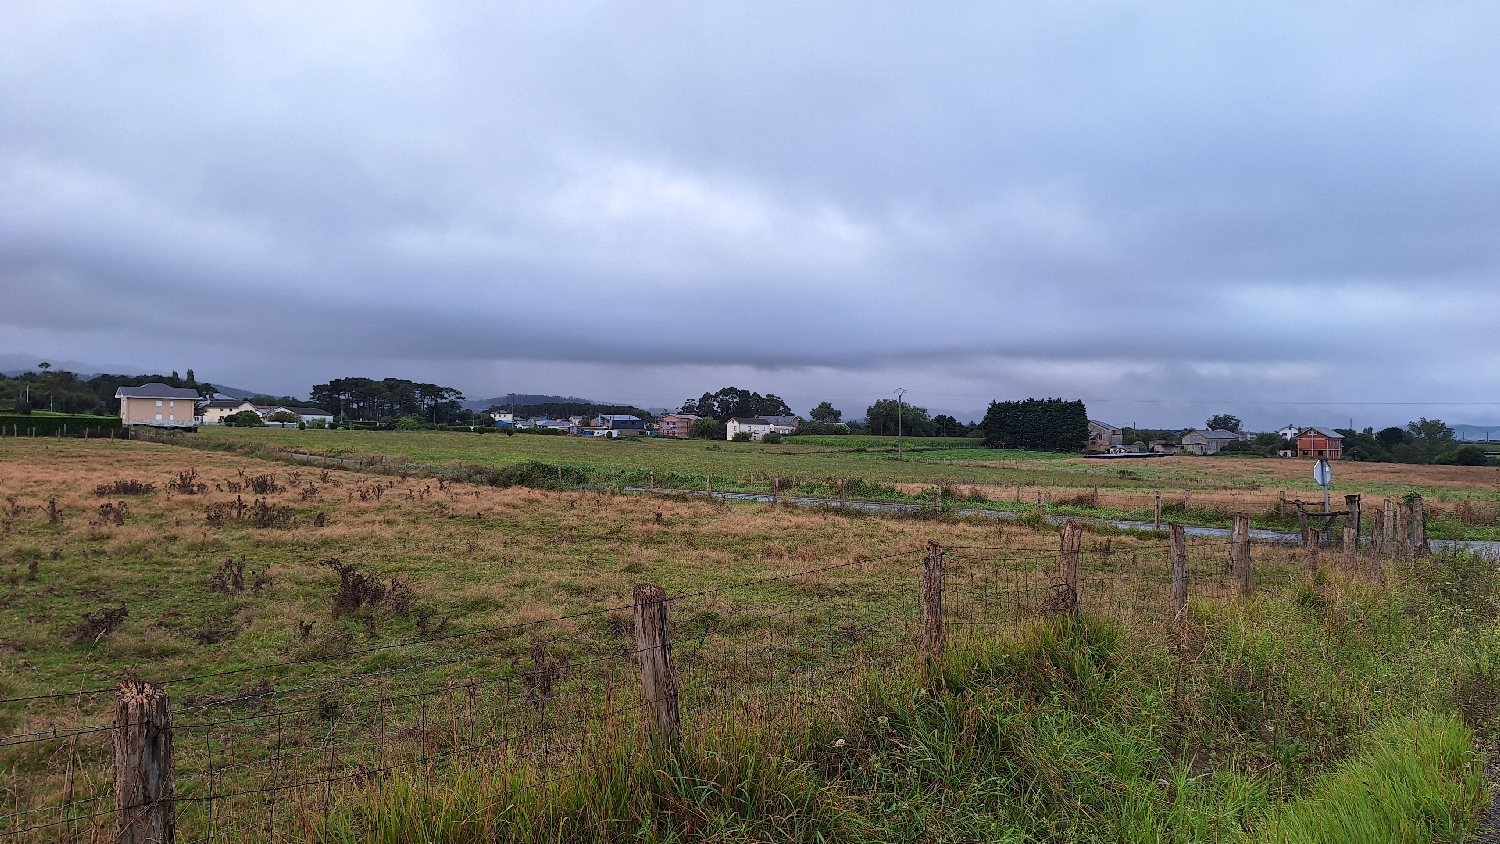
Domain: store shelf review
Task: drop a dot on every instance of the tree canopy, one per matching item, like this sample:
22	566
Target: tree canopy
880	418
65	392
731	402
1040	424
368	399
826	413
1224	422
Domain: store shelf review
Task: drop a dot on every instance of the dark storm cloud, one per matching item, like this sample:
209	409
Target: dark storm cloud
1105	199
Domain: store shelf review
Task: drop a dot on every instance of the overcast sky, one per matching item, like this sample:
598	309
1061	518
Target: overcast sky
1164	209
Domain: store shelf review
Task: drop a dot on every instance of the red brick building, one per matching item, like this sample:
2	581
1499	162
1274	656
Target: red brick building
1320	442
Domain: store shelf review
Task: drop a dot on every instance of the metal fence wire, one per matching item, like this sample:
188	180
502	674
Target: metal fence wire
268	752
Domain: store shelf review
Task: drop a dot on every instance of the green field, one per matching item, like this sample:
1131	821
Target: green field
1463	502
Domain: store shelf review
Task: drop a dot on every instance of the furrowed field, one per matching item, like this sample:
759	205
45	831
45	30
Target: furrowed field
375	651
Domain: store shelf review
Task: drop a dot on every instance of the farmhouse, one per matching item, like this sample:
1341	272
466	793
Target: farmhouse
158	406
1103	435
213	411
784	425
1206	442
755	426
1320	442
676	424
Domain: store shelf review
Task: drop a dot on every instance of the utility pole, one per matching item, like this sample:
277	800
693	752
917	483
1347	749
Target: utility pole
900	392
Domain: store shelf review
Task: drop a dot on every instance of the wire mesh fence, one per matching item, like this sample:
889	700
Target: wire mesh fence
268	752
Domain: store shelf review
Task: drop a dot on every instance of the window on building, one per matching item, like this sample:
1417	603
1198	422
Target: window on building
158	404
158	416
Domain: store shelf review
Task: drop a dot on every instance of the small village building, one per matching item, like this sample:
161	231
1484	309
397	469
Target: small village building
311	414
214	411
754	426
1206	442
676	424
621	425
1320	442
503	417
784	425
157	405
1102	436
1162	447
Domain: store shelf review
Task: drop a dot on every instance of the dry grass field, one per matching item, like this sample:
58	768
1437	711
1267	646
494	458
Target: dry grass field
251	582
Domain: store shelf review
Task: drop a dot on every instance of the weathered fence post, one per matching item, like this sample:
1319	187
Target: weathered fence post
1418	527
1377	534
145	798
1310	542
931	646
1187	500
1069	547
653	644
1390	521
1179	569
1156	521
1281	504
1302	521
1351	532
1239	554
1403	530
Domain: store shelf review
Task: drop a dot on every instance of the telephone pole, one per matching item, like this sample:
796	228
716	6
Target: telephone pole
900	392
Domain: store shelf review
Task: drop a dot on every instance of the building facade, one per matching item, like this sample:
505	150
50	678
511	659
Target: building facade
755	427
157	405
1320	442
1206	442
1103	435
676	424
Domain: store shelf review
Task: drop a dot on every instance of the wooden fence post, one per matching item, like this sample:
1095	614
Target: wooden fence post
1418	527
653	645
1310	542
1156	521
145	798
1390	521
1377	534
1351	532
1281	504
1239	554
1178	541
1069	546
1187	500
1403	530
1302	521
931	646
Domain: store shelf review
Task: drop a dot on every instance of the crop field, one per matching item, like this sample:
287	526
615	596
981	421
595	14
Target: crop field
371	651
1463	502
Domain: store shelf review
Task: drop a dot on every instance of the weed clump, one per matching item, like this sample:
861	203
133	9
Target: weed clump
95	626
124	487
357	590
187	483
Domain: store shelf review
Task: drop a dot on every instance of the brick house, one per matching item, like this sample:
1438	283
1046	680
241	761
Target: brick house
676	424
1320	442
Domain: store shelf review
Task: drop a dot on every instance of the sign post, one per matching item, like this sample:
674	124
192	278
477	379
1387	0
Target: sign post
1323	474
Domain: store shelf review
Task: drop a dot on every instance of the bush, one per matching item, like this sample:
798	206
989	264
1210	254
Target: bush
1469	455
707	428
408	423
244	419
772	438
742	437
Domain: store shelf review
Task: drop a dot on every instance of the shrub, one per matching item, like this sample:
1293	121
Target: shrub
772	438
742	437
707	428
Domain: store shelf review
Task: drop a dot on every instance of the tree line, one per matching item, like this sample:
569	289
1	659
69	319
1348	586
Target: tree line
65	392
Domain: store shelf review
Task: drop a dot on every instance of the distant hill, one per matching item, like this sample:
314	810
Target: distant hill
522	398
1476	432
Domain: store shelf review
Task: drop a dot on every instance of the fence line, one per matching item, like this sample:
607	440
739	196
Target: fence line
533	695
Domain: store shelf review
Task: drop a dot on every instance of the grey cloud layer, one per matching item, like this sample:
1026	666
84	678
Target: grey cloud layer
1071	196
